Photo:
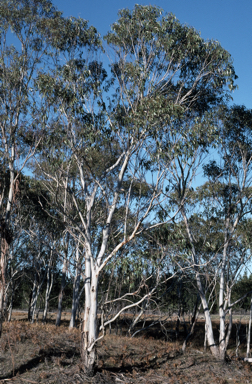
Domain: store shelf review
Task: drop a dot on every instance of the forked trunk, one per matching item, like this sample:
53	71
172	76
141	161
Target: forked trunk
208	322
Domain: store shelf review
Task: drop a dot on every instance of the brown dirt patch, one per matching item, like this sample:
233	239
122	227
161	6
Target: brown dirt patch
47	354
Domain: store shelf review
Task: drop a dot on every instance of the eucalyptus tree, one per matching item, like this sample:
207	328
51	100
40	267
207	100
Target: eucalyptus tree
17	66
32	34
222	204
234	178
15	263
40	236
107	135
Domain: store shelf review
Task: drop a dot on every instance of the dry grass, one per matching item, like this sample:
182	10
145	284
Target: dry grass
51	317
37	353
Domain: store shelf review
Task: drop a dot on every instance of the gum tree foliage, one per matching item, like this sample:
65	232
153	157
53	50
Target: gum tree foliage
223	204
234	177
32	35
107	134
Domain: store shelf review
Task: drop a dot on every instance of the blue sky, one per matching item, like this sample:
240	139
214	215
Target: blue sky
228	21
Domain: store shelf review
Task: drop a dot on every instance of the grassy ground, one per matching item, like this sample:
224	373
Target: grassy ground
45	354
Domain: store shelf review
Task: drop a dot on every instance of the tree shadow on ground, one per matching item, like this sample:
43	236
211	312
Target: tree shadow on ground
43	355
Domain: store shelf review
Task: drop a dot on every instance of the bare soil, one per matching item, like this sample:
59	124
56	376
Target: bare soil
43	353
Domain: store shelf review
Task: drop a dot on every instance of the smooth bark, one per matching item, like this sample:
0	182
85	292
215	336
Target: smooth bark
76	286
49	284
208	322
89	326
37	285
249	330
63	280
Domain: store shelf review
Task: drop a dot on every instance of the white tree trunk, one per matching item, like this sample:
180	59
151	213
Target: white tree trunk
63	284
34	299
63	279
249	330
11	286
76	286
222	339
10	307
49	284
208	322
35	294
4	236
2	281
89	327
238	326
230	323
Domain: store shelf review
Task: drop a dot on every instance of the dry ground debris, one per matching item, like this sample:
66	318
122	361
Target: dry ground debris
47	354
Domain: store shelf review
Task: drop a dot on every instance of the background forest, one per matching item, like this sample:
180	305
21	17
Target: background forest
125	173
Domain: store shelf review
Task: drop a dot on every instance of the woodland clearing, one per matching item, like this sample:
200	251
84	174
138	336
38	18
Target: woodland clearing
43	353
